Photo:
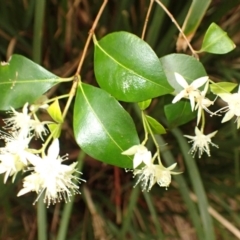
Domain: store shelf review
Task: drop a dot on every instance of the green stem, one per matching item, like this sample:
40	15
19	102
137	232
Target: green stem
203	120
71	95
41	219
145	129
149	129
56	98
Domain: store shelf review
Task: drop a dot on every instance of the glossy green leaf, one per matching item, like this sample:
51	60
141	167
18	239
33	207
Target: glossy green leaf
145	104
179	113
216	41
156	127
222	87
127	67
22	80
102	128
187	66
55	112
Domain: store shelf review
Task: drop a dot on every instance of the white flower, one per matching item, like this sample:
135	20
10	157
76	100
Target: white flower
191	91
51	176
147	175
141	154
39	128
154	173
13	156
163	175
19	120
16	144
22	122
233	108
201	142
10	165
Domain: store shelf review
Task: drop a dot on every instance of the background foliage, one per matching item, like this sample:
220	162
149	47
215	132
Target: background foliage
109	207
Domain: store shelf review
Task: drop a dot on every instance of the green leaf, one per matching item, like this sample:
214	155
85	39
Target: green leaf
22	80
189	67
179	113
145	104
216	41
55	112
55	129
127	67
156	127
102	128
222	87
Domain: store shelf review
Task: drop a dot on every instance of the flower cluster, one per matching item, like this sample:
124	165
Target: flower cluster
47	174
150	173
198	102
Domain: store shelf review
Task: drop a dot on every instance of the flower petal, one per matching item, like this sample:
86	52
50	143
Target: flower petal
148	158
53	149
32	158
131	151
210	135
198	132
172	166
137	160
178	96
25	109
188	136
199	82
228	116
192	102
181	81
204	92
23	191
226	97
199	114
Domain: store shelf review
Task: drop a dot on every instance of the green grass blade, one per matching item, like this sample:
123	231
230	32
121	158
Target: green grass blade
154	216
37	48
183	189
197	186
155	25
42	219
129	213
38	30
67	210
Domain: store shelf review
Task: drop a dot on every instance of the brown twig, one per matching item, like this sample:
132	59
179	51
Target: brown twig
228	225
90	36
147	18
77	78
178	27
